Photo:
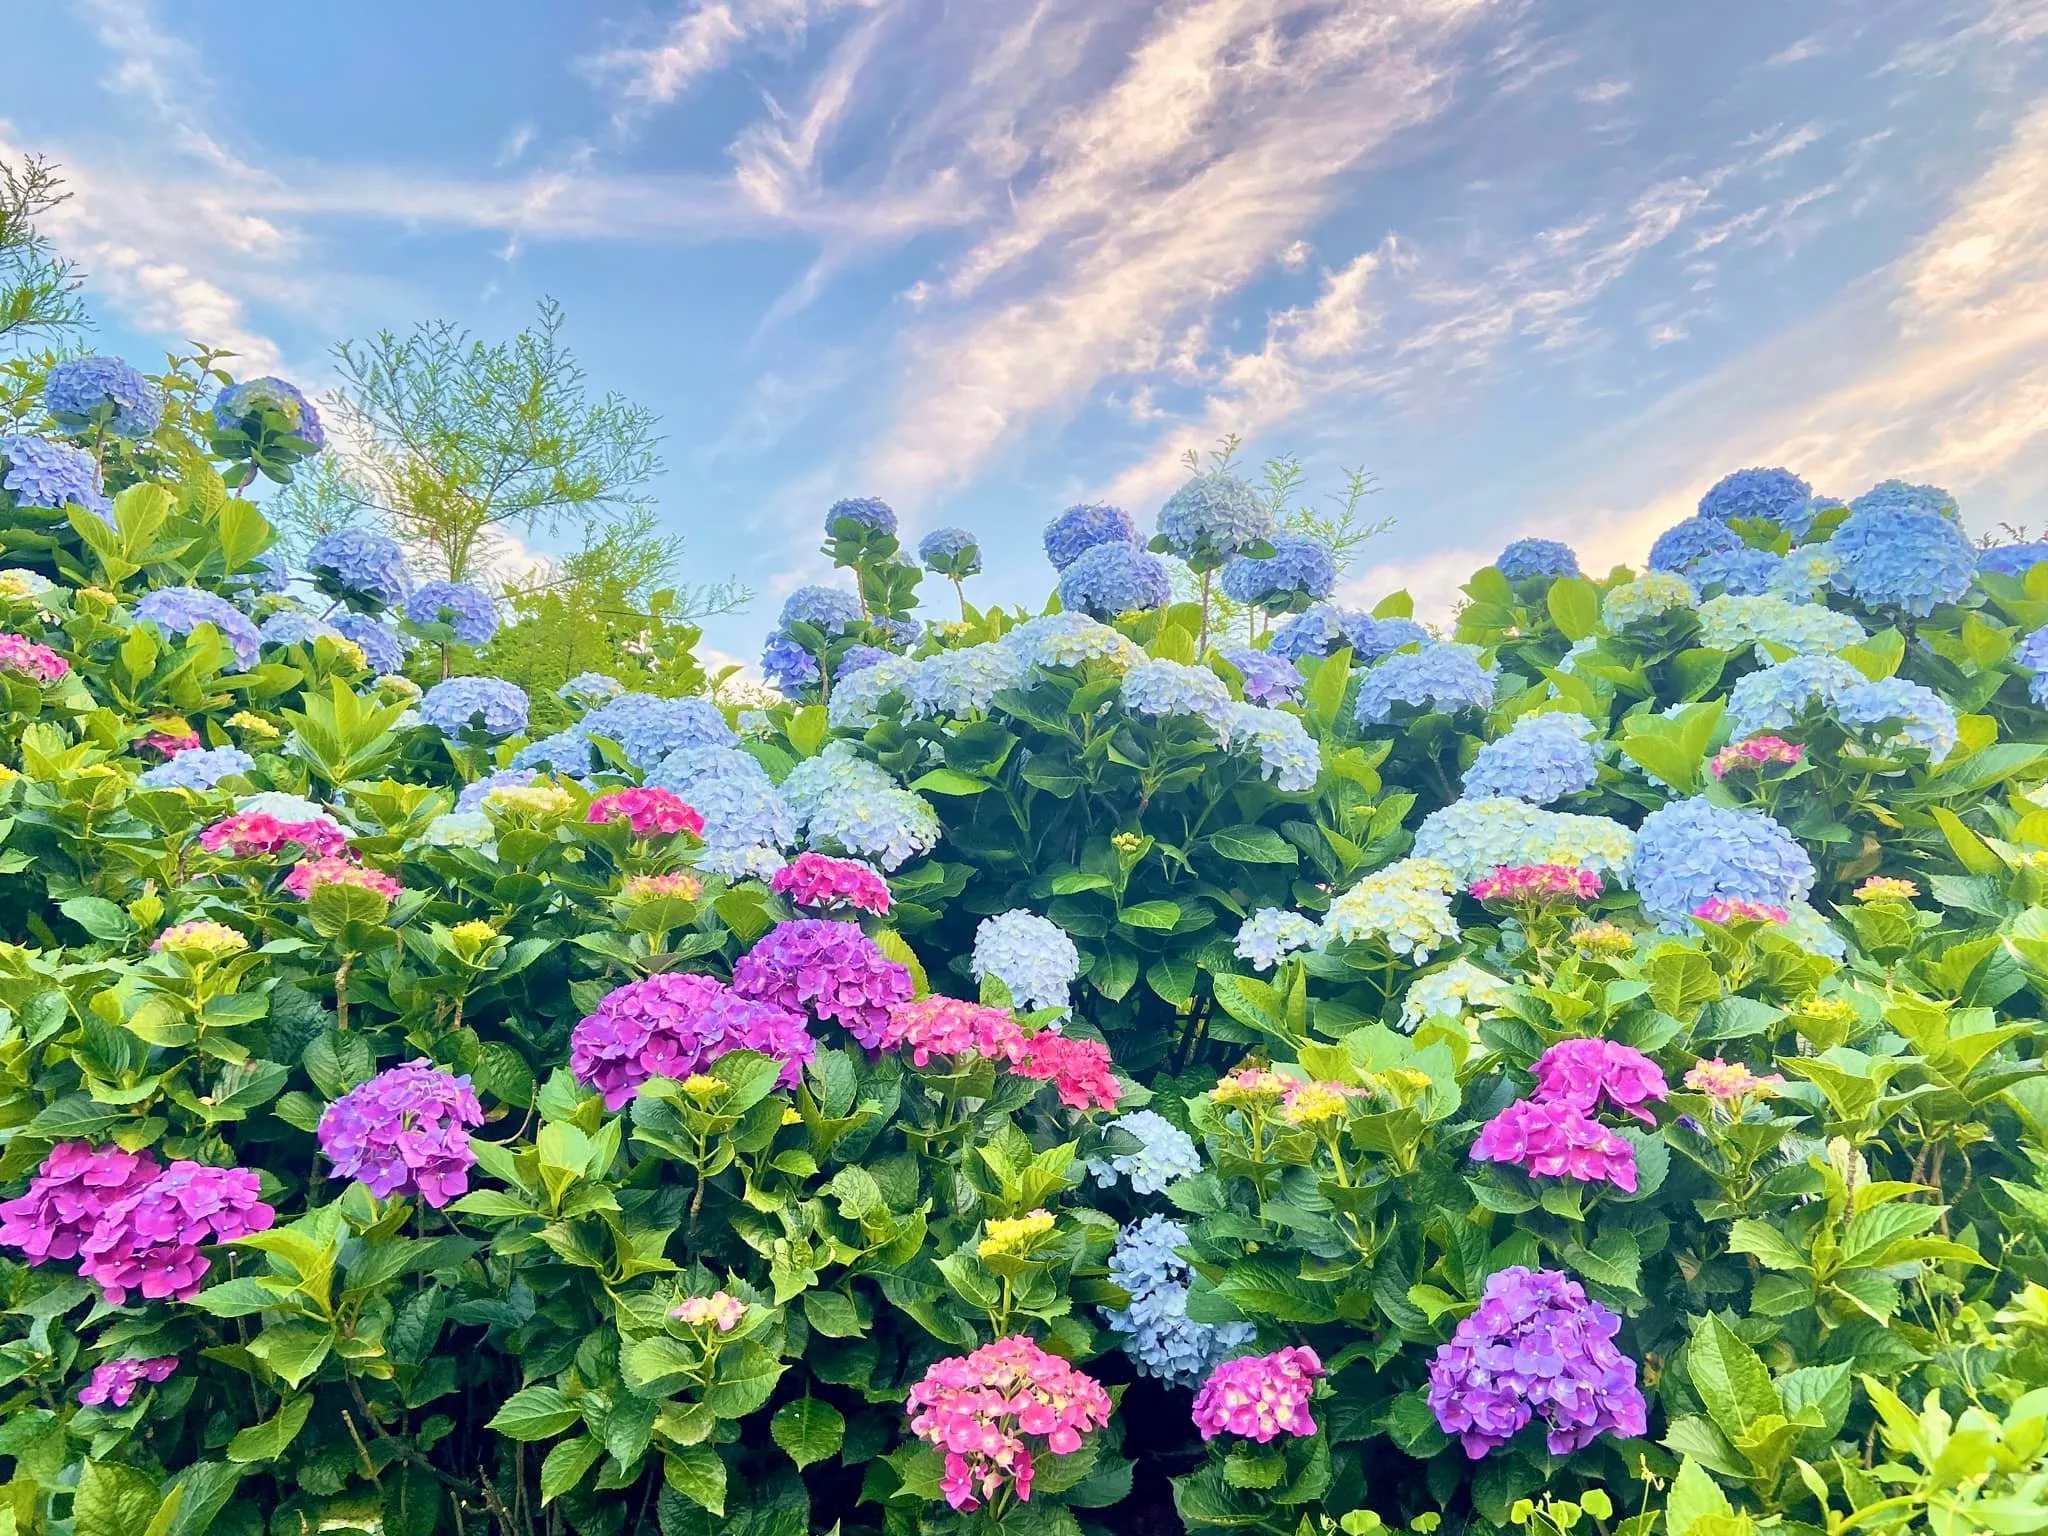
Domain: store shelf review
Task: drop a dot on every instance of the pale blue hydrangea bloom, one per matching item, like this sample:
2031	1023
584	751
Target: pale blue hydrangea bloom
1161	1340
1812	932
1109	579
648	727
1322	628
1268	679
1439	679
491	704
197	768
856	701
1777	494
1072	640
1745	572
1475	836
1158	688
1903	557
1450	992
1690	851
1647	597
1272	933
1542	758
588	688
1777	697
1536	560
566	752
1288	755
1731	623
39	473
1165	1153
827	608
180	610
1214	516
746	820
1917	715
1406	906
2032	653
1299	567
844	803
88	392
1081	528
964	681
2012	559
1032	957
950	552
1902	496
241	405
462	829
382	646
869	512
360	562
295	626
1804	574
1685	544
465	608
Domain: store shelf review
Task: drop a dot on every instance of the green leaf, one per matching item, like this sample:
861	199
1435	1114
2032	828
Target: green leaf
273	1437
810	1430
949	781
1732	1381
1262	1287
99	917
294	1350
1772	1248
1575	607
113	1500
696	1472
1159	915
566	1464
1694	1496
535	1413
1253	845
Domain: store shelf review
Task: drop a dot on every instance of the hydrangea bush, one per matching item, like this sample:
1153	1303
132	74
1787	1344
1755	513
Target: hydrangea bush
1043	1074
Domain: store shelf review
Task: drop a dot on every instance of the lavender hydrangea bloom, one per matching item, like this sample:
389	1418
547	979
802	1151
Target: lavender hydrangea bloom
1213	517
1113	578
40	473
1903	557
1777	697
1440	679
825	608
180	610
241	406
869	512
1901	496
1162	1340
1541	759
94	392
1536	560
1777	494
1299	568
360	563
950	552
1744	572
382	646
832	970
1686	544
1030	956
648	727
859	658
405	1133
1692	850
1165	1153
464	608
1081	528
491	704
1268	679
2012	559
1919	716
1535	1346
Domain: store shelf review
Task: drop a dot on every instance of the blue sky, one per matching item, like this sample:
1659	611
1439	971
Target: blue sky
1544	266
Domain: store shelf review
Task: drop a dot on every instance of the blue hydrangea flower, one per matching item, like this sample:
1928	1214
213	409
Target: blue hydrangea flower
1918	715
1322	628
590	688
2013	559
1213	517
1777	698
870	512
1687	543
1072	640
964	681
243	405
89	392
1272	933
1903	557
1475	836
472	796
1693	850
1814	511
1901	496
466	609
40	473
788	666
1439	679
844	803
826	608
1165	1153
1805	573
495	706
1731	623
382	646
1110	579
566	752
1300	567
648	728
1268	679
747	824
950	552
1159	688
1162	1341
267	576
295	626
1541	759
1372	639
1745	572
1032	957
1081	528
901	633
197	768
361	563
1536	560
1774	493
180	610
1288	755
856	701
2032	653
859	658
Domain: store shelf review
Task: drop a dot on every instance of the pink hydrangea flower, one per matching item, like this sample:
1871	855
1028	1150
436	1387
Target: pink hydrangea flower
307	877
77	1184
169	743
1260	1396
1583	1072
1078	1069
37	663
250	834
717	1311
1537	882
1729	1080
1756	753
150	1240
978	1408
947	1026
405	1132
650	811
116	1381
1556	1140
1739	909
818	880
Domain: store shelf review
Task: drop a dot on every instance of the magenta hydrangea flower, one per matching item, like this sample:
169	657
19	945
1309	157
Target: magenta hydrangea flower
833	970
650	811
1583	1072
1739	909
1535	1346
307	877
978	1408
819	880
746	1024
1260	1396
1556	1140
250	834
150	1240
405	1132
76	1185
1078	1069
948	1026
115	1382
671	1025
37	663
1537	883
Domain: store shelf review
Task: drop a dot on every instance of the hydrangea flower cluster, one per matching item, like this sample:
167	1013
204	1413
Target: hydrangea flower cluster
746	822
1536	560
149	1241
1072	640
1756	753
1270	934
2032	653
1321	629
23	657
716	1313
651	811
1439	679
1691	850
199	769
1806	573
475	794
1542	758
1213	517
680	886
868	512
1917	715
1684	545
588	689
1728	1081
841	800
1584	1073
824	608
1165	1153
1649	596
1146	1265
1084	527
1159	688
307	877
76	1186
180	610
103	392
1406	906
948	1026
242	405
1268	679
40	473
950	552
1904	496
1112	578
1554	1140
465	608
295	626
1777	494
831	969
2012	559
1733	622
1723	910
1450	993
1535	1346
362	564
647	728
1898	556
1780	696
857	693
962	682
382	646
1033	958
817	880
254	834
1288	756
1260	1396
1474	837
1300	571
1078	1069
1742	572
788	666
405	1133
671	1025
114	1382
1538	883
199	941
979	1408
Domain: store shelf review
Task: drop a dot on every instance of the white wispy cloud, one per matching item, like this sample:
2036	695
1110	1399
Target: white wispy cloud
700	41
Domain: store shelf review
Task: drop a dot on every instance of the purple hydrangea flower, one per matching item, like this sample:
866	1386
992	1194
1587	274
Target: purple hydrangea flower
950	552
463	702
1535	1346
1110	578
1777	494
405	1132
671	1025
1268	679
77	1184
382	646
90	392
466	609
150	1240
180	610
114	1383
199	768
1685	544
1081	528
40	473
361	563
1536	560
869	512
833	970
1300	568
243	405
